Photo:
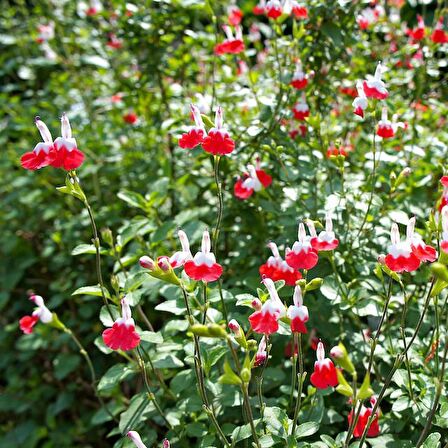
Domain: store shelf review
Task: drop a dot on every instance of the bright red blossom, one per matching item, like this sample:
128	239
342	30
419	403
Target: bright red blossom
302	255
218	140
324	374
27	323
363	418
255	179
297	313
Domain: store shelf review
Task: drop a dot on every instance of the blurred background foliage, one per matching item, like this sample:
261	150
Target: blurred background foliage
143	187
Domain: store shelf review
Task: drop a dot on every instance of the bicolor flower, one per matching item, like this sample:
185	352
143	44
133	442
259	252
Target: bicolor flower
418	246
363	418
324	374
360	103
179	258
166	443
439	35
41	313
65	153
301	109
444	198
400	256
417	33
266	319
94	8
298	313
260	8
196	134
444	241
135	437
45	33
327	239
276	268
365	18
122	335
374	87
218	141
232	44
302	255
114	42
261	355
39	157
298	10
235	15
255	179
273	9
299	79
235	328
203	266
387	128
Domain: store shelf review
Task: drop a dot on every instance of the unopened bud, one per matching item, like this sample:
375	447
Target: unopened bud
234	326
147	263
260	358
381	259
166	443
440	271
336	352
164	264
107	236
217	331
340	355
245	375
256	304
315	283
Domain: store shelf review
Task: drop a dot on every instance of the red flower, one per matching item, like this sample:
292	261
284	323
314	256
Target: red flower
130	118
332	151
122	335
301	110
444	242
261	355
324	374
326	239
253	180
387	128
203	266
231	45
179	258
235	15
27	323
439	36
39	156
299	11
302	255
375	87
444	198
195	136
400	257
298	313
277	269
299	80
363	418
114	42
417	33
273	9
360	103
41	313
419	248
218	141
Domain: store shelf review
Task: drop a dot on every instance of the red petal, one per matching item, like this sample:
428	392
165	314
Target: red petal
33	161
372	92
202	271
121	337
191	139
68	160
264	178
240	192
302	260
298	326
217	143
265	323
27	323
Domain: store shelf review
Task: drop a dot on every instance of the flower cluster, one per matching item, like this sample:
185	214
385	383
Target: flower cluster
274	9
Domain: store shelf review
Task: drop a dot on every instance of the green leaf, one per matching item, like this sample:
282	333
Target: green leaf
139	406
105	317
64	364
151	336
113	376
307	429
86	249
167	361
94	290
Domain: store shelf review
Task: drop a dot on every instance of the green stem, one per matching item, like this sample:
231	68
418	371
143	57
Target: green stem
301	380
260	383
250	416
293	368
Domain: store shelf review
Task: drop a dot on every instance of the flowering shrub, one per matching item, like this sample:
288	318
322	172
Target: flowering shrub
244	249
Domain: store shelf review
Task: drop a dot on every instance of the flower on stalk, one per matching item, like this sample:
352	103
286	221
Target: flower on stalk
298	313
444	198
418	246
65	153
260	8
364	416
203	265
332	151
324	374
45	33
39	157
135	437
360	103
327	239
444	242
417	33
273	9
230	45
122	335
387	128
374	87
265	320
302	255
301	110
261	355
299	79
218	141
400	256
196	134
439	35
235	15
276	268
41	313
255	179
298	10
130	118
235	328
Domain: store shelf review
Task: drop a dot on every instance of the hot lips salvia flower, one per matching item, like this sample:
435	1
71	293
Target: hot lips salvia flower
302	255
255	179
324	374
232	44
62	153
363	418
122	335
41	313
374	87
298	313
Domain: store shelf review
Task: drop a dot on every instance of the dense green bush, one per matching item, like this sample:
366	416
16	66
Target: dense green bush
142	187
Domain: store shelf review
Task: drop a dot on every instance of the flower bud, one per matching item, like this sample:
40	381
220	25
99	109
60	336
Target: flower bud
164	264
166	443
381	259
260	358
147	263
315	283
234	326
256	304
107	236
440	271
245	375
340	355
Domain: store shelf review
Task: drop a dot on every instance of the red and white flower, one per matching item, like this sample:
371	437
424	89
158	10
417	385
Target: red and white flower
439	35
298	313
179	258
260	8
94	8
114	42
374	87
302	255
298	10
444	198
324	374
400	256
135	437
444	241
387	128
203	265
417	33
276	268
255	179
363	418
196	134
360	103
327	239
130	118
273	9
235	328
45	33
41	313
235	15
418	246
232	44
39	157
122	335
266	319
218	140
299	79
261	355
301	110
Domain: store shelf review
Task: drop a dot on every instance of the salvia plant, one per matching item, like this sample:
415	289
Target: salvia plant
243	241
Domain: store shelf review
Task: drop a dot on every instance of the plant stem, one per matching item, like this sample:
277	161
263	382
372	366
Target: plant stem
260	383
301	380
250	416
293	368
355	415
206	304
